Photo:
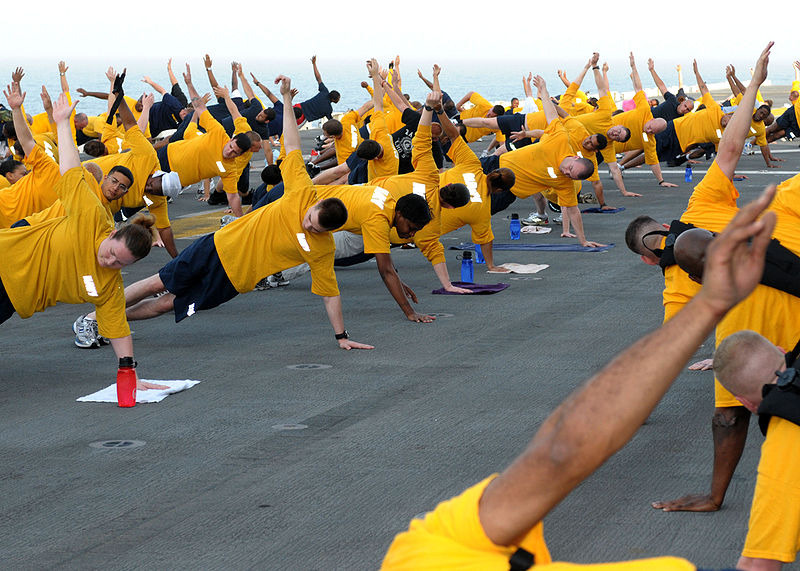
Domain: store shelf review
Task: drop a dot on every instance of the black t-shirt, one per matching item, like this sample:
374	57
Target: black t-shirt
403	142
668	109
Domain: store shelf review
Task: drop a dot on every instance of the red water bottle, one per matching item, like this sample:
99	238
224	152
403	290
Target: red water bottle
126	382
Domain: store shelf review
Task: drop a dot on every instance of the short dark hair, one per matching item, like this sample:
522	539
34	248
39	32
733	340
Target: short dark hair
242	141
368	149
632	238
415	209
254	137
9	132
137	234
124	171
627	135
617	112
587	168
270	114
498	110
9	165
602	142
271	175
332	213
94	148
334	96
454	194
333	128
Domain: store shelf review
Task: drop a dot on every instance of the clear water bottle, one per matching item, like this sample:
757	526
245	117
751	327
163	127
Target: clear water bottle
126	382
748	148
467	272
688	175
515	226
479	255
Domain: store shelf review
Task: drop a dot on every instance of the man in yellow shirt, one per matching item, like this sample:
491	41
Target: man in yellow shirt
481	109
219	266
755	371
497	524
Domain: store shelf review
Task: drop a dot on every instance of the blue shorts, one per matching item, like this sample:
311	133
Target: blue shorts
163	158
788	122
513	122
490	163
197	279
667	145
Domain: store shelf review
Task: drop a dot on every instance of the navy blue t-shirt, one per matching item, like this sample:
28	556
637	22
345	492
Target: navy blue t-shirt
318	106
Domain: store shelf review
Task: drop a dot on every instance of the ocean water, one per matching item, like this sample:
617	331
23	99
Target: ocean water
497	82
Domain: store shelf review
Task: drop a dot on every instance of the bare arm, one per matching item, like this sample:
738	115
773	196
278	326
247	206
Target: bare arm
395	287
234	77
731	83
154	85
248	90
62	72
460	104
526	85
562	75
68	156
571	444
662	87
197	102
732	142
265	89
144	118
701	85
582	74
637	81
211	79
333	307
548	107
398	100
602	88
317	76
377	89
15	98
172	79
739	84
291	134
229	104
425	81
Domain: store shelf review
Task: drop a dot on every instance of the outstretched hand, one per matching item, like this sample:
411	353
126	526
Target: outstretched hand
760	73
47	103
221	91
286	84
187	75
15	96
17	75
348	344
62	108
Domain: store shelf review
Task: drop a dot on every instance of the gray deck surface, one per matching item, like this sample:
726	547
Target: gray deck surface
391	432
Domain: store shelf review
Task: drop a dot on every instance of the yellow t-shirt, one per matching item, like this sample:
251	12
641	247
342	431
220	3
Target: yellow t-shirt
480	107
577	134
56	261
389	163
57	209
537	166
272	238
757	128
94	128
4	183
478	211
350	138
774	528
197	158
599	120
41	123
33	192
574	101
701	126
451	537
634	120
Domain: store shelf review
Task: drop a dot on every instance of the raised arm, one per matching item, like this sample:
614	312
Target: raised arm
15	98
317	76
637	81
571	444
548	107
562	75
197	102
731	82
271	96
651	66
235	67
582	74
248	91
62	72
154	85
68	156
732	142
172	79
128	120
399	101
738	83
147	103
291	134
225	94
373	69
425	81
211	79
47	103
701	85
602	88
526	85
460	104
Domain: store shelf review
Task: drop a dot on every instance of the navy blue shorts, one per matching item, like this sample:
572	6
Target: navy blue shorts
667	145
197	279
490	163
788	122
513	122
163	158
6	309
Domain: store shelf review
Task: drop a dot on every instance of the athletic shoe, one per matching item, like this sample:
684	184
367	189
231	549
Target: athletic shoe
553	206
225	220
277	280
262	285
557	218
85	333
535	220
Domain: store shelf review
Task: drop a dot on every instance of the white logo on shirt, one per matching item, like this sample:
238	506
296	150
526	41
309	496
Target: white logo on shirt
418	188
379	197
551	172
119	145
751	130
644	137
220	167
719	134
48	150
353	136
147	201
301	237
472	187
579	154
88	283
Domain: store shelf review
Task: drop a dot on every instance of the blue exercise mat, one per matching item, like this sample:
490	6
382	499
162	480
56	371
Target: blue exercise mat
598	210
476	289
539	247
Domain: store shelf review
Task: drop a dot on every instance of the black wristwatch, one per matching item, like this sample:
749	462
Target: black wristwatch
343	335
428	107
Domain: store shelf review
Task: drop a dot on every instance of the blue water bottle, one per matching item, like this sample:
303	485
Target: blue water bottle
479	255
688	175
515	226
467	275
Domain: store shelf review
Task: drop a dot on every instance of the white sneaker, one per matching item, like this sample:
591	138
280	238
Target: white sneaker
535	219
86	334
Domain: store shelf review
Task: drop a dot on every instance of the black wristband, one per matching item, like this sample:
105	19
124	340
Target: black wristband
127	362
659	182
428	107
595	67
602	204
343	335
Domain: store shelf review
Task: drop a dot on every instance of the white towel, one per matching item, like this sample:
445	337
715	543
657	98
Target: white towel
109	394
521	268
535	230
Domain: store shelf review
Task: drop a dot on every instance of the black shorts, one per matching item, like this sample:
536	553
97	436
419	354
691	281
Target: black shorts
490	163
788	122
197	279
509	123
667	145
6	309
163	158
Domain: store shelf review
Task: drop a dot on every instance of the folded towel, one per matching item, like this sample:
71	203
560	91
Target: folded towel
598	210
521	268
535	230
109	394
537	247
476	289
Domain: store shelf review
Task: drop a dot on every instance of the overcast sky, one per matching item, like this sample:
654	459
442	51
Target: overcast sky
523	30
